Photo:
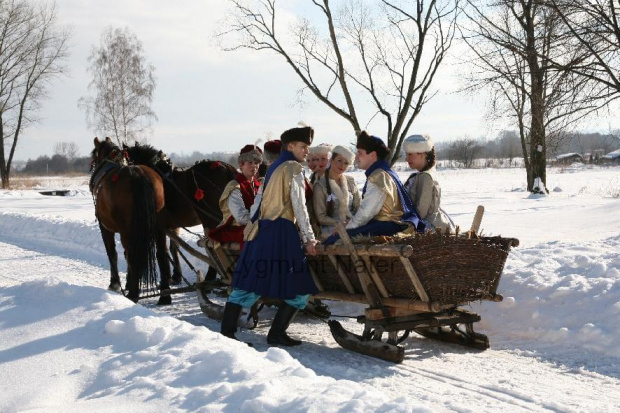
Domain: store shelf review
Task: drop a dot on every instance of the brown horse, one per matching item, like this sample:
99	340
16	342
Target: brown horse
192	194
129	200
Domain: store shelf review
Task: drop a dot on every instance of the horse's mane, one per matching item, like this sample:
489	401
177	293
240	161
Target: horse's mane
146	154
209	166
142	151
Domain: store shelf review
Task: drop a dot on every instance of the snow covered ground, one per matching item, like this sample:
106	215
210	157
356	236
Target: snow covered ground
67	344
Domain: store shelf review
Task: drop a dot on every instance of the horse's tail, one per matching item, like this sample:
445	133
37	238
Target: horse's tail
142	244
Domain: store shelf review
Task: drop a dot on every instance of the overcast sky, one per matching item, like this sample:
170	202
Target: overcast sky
209	100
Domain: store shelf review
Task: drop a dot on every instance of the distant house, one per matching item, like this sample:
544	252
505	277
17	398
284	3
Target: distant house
612	157
594	156
568	158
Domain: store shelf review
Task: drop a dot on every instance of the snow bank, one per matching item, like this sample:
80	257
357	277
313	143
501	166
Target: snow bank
148	357
560	298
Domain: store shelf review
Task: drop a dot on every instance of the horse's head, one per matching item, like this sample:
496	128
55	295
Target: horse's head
210	179
141	154
106	150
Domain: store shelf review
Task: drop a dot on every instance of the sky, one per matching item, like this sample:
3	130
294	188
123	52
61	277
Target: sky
210	100
69	345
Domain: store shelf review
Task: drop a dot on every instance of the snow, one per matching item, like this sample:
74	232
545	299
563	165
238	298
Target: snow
613	154
67	344
567	155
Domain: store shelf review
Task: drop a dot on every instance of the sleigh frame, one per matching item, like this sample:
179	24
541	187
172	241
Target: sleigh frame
415	283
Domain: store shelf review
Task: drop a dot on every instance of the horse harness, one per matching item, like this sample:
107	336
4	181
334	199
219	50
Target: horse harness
115	161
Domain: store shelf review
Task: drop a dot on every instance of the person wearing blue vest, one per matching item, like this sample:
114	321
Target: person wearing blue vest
386	207
272	263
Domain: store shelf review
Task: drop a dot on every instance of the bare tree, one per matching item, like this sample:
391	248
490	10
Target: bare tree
123	83
382	52
465	151
67	149
509	142
513	42
33	48
593	25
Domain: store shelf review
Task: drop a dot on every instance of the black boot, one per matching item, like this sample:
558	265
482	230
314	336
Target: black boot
232	312
277	334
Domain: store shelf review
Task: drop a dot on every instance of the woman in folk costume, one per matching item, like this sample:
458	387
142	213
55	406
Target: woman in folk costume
273	264
422	185
271	152
320	156
386	207
238	197
335	196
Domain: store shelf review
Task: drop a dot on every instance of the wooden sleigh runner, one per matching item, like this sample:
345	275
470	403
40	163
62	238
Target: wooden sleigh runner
409	283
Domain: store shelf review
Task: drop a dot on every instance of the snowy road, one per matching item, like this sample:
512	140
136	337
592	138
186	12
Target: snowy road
553	338
440	375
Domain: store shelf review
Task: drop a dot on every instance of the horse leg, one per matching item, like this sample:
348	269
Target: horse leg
164	267
132	286
110	249
177	274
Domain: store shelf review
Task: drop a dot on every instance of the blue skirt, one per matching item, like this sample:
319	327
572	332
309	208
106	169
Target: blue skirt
274	264
372	228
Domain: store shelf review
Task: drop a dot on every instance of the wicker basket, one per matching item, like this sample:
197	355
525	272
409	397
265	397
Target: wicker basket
453	269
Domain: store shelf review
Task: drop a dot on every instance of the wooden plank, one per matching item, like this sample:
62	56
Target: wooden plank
375	277
387	250
227	265
417	284
317	282
370	290
188	248
401	303
343	276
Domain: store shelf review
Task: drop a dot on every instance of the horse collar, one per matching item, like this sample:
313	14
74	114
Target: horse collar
100	171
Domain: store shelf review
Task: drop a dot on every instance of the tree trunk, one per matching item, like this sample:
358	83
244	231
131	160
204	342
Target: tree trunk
4	172
536	175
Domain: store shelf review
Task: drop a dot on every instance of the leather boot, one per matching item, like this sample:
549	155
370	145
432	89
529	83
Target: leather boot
232	312
277	334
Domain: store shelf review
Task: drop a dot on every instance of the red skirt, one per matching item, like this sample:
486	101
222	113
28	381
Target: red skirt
227	233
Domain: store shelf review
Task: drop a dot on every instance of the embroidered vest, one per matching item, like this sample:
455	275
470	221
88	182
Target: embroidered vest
392	209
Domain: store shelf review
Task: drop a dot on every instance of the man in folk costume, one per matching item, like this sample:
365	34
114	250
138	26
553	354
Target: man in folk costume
238	197
273	263
271	152
386	207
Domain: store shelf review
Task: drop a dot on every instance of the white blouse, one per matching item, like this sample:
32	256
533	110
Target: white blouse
372	202
298	200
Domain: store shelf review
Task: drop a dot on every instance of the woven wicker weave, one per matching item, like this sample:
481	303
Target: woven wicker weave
452	269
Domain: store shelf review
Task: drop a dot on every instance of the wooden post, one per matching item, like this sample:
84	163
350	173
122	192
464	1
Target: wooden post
179	241
475	225
375	276
417	284
317	282
369	288
343	277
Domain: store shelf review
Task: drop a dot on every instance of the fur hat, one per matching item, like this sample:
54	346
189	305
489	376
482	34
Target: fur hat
344	152
418	144
303	134
322	149
250	153
272	150
371	144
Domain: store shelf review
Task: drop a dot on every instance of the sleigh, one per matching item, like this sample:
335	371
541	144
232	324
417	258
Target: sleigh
411	283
